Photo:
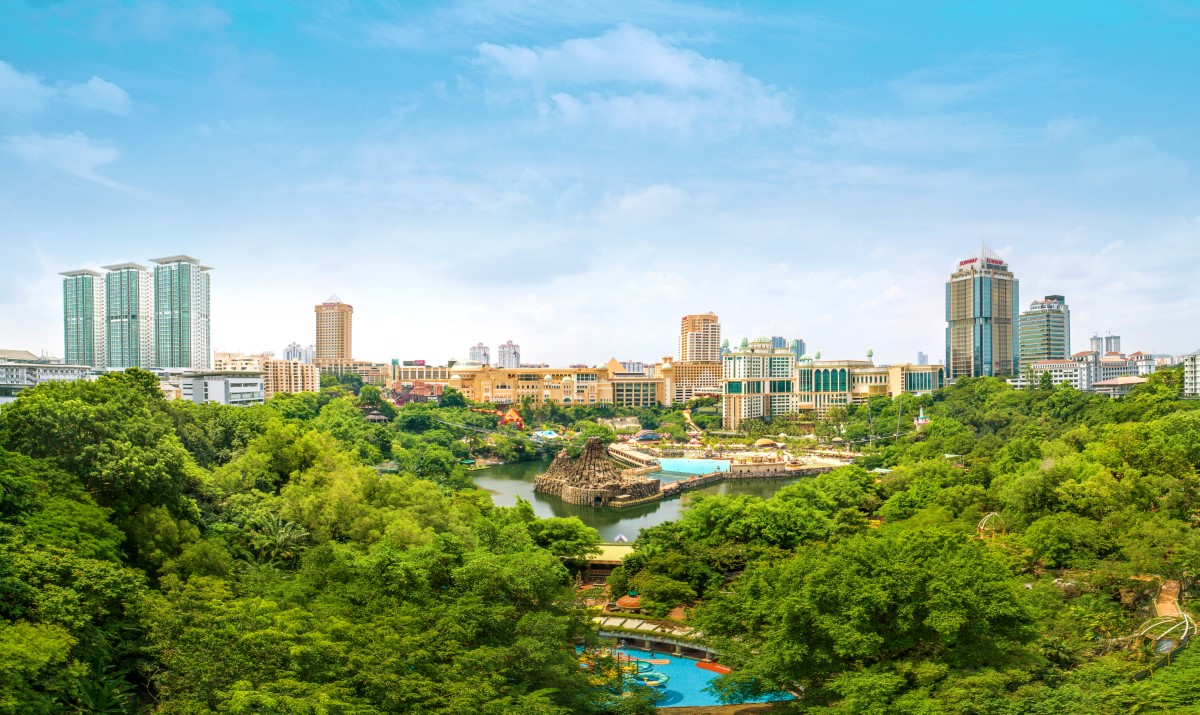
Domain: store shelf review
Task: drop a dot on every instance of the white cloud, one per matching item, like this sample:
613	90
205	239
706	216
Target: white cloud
24	93
21	93
157	21
919	134
1068	126
98	94
972	76
638	79
1132	161
652	202
73	154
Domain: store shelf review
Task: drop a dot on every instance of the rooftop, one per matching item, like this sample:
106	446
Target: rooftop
1120	381
122	266
81	272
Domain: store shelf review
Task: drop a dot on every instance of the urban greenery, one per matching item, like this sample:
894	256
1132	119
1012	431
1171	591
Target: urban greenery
296	557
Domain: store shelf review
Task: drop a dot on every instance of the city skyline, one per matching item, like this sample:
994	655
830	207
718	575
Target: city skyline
811	174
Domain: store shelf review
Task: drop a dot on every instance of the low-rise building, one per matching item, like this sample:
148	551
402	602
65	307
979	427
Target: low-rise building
239	388
1069	372
20	370
1118	386
239	362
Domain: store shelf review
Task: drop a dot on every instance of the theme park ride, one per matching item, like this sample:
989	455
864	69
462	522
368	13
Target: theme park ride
511	418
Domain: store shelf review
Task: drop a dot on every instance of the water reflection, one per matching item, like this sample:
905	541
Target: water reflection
509	481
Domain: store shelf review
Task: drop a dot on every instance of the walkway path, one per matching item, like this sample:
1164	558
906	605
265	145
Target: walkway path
1168	600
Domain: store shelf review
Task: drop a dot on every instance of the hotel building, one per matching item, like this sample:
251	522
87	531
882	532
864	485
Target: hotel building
981	317
758	381
84	334
335	327
181	313
700	338
129	316
1044	332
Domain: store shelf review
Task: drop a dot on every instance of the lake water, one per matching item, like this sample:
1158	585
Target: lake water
506	482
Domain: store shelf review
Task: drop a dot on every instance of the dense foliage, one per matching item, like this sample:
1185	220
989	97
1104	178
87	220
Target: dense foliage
871	589
188	558
298	558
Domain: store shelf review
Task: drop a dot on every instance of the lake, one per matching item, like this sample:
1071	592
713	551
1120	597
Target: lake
506	482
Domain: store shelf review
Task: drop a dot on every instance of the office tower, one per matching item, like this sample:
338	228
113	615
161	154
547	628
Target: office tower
480	353
700	338
129	315
83	318
981	317
922	358
294	352
181	313
335	323
798	348
1112	343
1044	332
508	355
778	341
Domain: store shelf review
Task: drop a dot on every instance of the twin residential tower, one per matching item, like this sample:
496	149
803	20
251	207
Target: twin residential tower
134	316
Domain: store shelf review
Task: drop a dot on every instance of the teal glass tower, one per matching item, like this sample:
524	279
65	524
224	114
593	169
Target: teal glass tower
83	318
129	315
181	313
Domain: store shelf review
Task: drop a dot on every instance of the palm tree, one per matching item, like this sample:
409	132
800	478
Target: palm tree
275	540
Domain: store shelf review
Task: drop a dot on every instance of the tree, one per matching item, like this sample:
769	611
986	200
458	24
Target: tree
452	398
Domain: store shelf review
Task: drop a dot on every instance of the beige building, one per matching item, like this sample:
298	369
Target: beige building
239	362
700	339
602	384
683	381
289	376
334	332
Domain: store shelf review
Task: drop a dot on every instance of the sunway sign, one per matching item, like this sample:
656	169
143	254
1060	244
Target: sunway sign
967	262
995	262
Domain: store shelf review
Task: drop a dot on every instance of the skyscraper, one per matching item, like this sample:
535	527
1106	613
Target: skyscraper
1112	343
508	355
84	335
1044	332
480	353
981	317
700	338
294	352
798	348
182	305
335	327
922	358
129	315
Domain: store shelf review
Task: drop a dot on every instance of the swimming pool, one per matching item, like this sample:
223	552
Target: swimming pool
679	467
686	687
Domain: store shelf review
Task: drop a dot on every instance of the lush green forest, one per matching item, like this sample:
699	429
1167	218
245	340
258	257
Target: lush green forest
871	589
179	558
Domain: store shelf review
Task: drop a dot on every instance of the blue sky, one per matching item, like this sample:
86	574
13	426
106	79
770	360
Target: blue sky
576	175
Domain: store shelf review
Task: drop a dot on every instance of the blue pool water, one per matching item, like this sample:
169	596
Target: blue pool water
687	685
680	468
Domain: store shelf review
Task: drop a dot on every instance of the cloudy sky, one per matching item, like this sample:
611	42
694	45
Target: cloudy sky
577	175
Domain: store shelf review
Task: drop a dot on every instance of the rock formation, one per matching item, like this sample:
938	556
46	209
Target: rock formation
592	479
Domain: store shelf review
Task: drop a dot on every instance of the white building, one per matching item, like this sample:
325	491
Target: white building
479	353
228	388
1191	374
20	370
1076	374
294	352
507	355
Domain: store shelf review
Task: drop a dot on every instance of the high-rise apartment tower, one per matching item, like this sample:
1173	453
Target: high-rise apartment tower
981	317
182	303
129	315
1044	332
335	321
700	338
480	353
508	355
84	333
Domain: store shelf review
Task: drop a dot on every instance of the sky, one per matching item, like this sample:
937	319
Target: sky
575	176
